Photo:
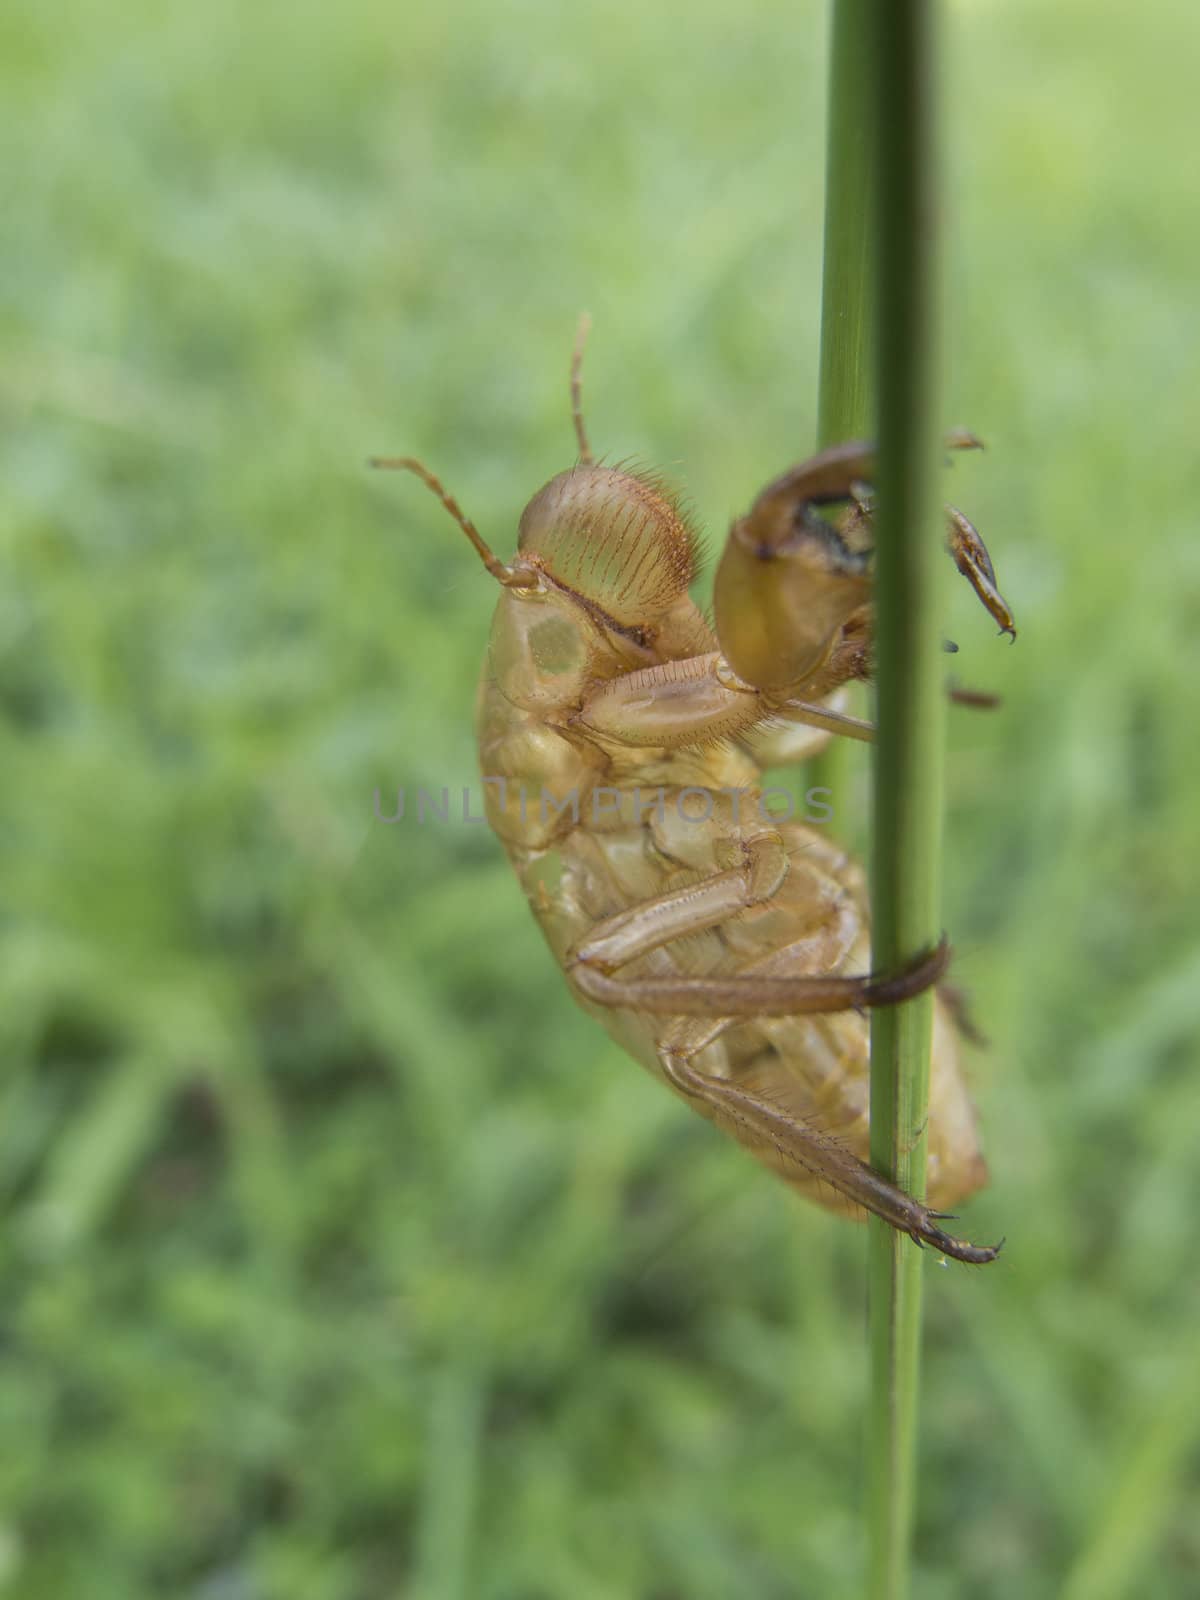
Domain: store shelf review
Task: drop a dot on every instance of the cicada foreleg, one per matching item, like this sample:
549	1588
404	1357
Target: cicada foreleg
971	558
697	700
963	541
792	591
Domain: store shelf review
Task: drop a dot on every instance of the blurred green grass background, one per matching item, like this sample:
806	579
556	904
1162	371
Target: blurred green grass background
343	1258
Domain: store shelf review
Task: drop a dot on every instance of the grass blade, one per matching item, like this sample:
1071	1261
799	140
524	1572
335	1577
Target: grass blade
907	807
846	399
846	396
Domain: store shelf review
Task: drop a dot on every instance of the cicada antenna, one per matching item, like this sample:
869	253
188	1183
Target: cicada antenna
581	335
503	574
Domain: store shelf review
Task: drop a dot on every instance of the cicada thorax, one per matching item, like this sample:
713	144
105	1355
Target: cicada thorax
607	558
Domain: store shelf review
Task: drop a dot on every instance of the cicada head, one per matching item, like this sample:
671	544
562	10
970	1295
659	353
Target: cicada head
615	540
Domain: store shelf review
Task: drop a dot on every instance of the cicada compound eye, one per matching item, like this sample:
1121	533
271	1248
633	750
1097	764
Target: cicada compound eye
613	537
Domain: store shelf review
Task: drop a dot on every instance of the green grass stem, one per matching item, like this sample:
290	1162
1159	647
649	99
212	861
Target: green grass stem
907	806
846	399
846	396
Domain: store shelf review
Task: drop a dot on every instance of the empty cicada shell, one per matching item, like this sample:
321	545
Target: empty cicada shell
623	740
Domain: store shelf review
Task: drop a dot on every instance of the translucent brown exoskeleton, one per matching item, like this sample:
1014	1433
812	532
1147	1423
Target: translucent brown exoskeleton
622	740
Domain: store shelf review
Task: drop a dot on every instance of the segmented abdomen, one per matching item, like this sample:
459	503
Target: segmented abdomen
816	923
